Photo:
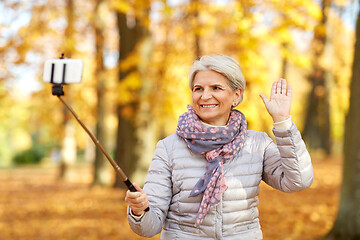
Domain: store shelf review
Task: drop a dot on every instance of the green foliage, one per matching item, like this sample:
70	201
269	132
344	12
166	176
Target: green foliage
31	156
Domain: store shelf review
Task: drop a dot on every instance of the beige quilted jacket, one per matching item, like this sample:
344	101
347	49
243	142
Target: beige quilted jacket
175	170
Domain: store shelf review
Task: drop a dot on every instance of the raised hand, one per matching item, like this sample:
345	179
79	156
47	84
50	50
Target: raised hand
137	201
280	101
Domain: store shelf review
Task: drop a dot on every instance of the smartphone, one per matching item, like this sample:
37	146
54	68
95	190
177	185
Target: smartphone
63	71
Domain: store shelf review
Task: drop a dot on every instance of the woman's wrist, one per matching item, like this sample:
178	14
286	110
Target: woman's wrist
284	124
277	119
137	213
136	216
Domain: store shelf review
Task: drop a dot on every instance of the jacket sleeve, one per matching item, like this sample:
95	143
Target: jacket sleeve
158	187
287	164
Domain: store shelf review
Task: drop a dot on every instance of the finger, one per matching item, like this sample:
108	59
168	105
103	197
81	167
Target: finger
283	86
273	89
136	203
264	99
138	188
139	196
278	86
289	91
139	205
131	196
138	192
128	197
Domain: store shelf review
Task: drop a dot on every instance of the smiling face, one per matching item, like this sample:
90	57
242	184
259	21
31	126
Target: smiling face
213	97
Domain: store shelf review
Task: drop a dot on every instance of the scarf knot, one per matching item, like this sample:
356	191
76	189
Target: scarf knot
218	145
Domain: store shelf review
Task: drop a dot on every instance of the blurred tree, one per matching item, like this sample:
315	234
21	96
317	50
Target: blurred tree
347	224
154	97
195	7
133	20
316	131
100	163
22	43
338	61
173	51
68	145
260	36
47	29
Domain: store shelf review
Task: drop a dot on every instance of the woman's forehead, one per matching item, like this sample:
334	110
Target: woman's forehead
209	77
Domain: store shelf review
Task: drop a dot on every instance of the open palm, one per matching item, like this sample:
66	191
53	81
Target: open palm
280	100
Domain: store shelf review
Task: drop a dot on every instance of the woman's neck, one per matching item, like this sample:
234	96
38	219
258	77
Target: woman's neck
209	125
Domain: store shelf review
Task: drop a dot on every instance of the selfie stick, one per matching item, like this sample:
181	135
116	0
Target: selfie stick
57	89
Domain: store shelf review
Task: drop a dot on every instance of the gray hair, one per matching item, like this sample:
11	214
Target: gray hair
226	66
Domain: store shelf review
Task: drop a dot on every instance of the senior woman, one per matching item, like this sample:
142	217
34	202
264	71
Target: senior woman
203	181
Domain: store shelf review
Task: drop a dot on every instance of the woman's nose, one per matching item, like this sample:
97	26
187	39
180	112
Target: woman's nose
206	95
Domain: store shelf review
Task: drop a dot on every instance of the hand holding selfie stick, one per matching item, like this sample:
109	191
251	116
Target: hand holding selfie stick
63	71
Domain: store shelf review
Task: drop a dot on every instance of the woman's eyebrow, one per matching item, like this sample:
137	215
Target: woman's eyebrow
211	85
217	85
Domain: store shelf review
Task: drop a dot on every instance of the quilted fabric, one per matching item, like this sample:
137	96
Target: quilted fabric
175	170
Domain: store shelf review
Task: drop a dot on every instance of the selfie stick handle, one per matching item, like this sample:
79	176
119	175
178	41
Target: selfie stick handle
118	170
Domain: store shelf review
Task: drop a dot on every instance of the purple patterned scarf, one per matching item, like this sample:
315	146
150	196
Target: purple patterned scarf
218	145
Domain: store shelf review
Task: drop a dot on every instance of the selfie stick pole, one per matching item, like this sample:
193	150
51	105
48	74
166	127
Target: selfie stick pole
58	91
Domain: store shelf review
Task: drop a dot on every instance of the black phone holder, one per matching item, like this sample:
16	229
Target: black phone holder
57	89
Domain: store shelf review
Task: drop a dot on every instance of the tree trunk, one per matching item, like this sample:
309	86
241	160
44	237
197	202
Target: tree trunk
101	173
317	120
68	146
197	28
285	61
347	224
145	131
132	33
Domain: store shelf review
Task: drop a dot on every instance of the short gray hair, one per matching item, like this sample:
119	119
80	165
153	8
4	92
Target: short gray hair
225	65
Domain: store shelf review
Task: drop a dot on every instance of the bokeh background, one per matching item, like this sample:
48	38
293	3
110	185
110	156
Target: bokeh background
54	182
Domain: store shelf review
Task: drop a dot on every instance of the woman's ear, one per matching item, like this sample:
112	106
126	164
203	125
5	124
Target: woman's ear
237	96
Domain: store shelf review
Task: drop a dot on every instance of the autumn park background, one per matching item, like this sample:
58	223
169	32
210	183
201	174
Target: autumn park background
54	182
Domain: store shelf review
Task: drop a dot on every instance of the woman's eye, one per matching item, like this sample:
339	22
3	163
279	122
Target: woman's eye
196	89
217	88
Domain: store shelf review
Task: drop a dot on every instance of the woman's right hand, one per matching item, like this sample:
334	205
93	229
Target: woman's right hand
137	201
280	100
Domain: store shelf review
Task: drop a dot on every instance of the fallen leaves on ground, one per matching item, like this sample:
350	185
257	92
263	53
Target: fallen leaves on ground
34	205
305	215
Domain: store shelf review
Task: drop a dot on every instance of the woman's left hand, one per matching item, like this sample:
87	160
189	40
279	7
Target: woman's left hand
280	100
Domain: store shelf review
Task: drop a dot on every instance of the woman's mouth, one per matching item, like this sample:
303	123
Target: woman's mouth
208	105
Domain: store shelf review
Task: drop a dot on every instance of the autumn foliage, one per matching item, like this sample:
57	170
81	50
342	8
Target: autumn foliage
145	86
